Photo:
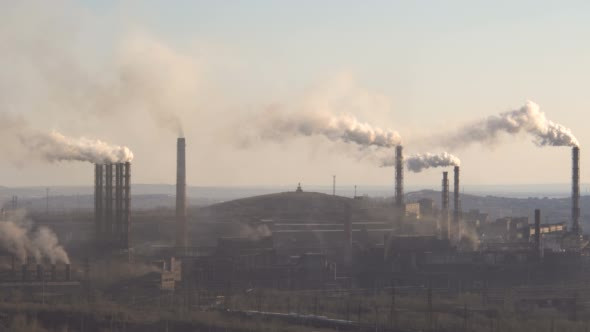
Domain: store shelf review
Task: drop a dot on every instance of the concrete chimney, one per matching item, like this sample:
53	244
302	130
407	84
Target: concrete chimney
108	187
126	218
456	206
53	272
118	199
537	233
444	211
399	177
99	202
181	231
576	191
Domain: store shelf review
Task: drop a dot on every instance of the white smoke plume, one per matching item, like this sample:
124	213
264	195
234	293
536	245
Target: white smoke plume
54	146
527	119
345	128
23	242
57	147
421	161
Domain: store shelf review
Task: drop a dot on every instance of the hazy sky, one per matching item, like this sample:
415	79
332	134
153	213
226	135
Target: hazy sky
122	71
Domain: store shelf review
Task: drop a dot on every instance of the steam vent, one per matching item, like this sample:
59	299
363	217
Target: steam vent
112	202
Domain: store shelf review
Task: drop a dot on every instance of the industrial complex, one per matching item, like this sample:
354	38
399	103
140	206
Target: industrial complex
301	242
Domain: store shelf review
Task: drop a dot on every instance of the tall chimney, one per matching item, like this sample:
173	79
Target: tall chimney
181	236
444	220
456	206
108	225
399	177
126	220
537	233
98	202
118	200
576	191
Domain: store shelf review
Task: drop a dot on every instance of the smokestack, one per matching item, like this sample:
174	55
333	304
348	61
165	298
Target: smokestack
118	199
24	272
68	272
53	272
108	225
181	236
456	205
399	177
538	233
445	227
98	202
126	221
576	191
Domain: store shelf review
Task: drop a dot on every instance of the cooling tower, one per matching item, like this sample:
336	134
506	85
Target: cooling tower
181	231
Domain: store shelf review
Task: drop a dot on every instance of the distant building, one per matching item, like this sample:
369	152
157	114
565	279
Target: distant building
170	273
413	210
426	206
475	217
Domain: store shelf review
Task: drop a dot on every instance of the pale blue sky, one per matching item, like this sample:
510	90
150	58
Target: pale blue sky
430	64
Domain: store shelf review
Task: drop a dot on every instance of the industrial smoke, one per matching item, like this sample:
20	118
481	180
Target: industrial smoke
54	146
23	242
527	119
344	128
57	147
421	161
